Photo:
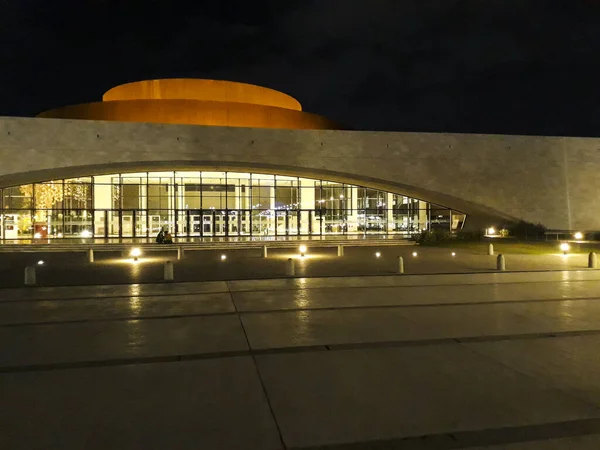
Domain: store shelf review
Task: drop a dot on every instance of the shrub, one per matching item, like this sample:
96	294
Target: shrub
469	235
526	230
433	237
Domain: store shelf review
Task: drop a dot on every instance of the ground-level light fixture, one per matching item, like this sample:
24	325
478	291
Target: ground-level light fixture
223	257
40	262
302	249
453	253
491	231
135	253
377	254
578	235
564	247
414	253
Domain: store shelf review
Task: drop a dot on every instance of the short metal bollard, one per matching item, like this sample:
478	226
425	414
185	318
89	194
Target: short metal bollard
501	263
180	253
90	255
340	250
290	270
264	251
593	260
169	271
491	250
400	264
30	276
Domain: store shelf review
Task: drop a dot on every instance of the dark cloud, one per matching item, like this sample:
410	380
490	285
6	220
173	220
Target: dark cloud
518	66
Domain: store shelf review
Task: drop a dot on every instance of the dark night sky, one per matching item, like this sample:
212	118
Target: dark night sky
492	66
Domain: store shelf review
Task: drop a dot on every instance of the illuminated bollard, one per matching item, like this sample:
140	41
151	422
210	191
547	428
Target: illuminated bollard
290	270
180	253
169	271
264	251
400	264
340	250
90	255
30	276
491	250
593	260
501	263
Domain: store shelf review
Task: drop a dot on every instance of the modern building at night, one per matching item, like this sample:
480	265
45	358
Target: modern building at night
211	158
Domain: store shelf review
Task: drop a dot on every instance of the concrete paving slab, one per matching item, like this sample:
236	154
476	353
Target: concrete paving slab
571	364
360	395
413	280
119	290
504	318
114	308
590	442
98	341
370	325
307	328
410	295
209	404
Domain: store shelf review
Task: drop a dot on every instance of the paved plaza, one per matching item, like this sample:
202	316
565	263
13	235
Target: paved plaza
478	361
112	267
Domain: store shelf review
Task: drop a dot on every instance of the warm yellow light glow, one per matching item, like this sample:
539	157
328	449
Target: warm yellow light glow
414	253
37	236
223	257
135	252
565	247
491	231
86	234
578	235
302	249
377	254
40	263
453	254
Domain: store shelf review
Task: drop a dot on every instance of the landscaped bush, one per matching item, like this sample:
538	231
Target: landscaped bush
469	235
433	237
526	230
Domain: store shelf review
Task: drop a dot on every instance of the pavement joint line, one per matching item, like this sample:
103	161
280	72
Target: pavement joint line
287	350
456	440
292	288
369	276
482	303
258	374
106	297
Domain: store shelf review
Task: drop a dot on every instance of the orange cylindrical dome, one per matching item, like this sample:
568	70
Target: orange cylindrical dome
196	102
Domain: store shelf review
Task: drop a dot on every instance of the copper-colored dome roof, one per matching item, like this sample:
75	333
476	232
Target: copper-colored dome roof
196	102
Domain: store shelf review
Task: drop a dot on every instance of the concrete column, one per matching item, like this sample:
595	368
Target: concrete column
168	271
389	205
307	203
491	250
423	216
353	213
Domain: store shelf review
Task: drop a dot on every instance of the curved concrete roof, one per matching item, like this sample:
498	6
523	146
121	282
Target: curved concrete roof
481	175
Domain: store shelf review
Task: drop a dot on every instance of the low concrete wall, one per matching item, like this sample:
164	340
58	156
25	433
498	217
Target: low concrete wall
551	180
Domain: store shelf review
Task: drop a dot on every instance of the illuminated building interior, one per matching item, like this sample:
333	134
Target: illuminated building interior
210	204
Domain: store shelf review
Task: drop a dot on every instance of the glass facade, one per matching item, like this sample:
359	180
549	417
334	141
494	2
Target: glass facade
207	204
